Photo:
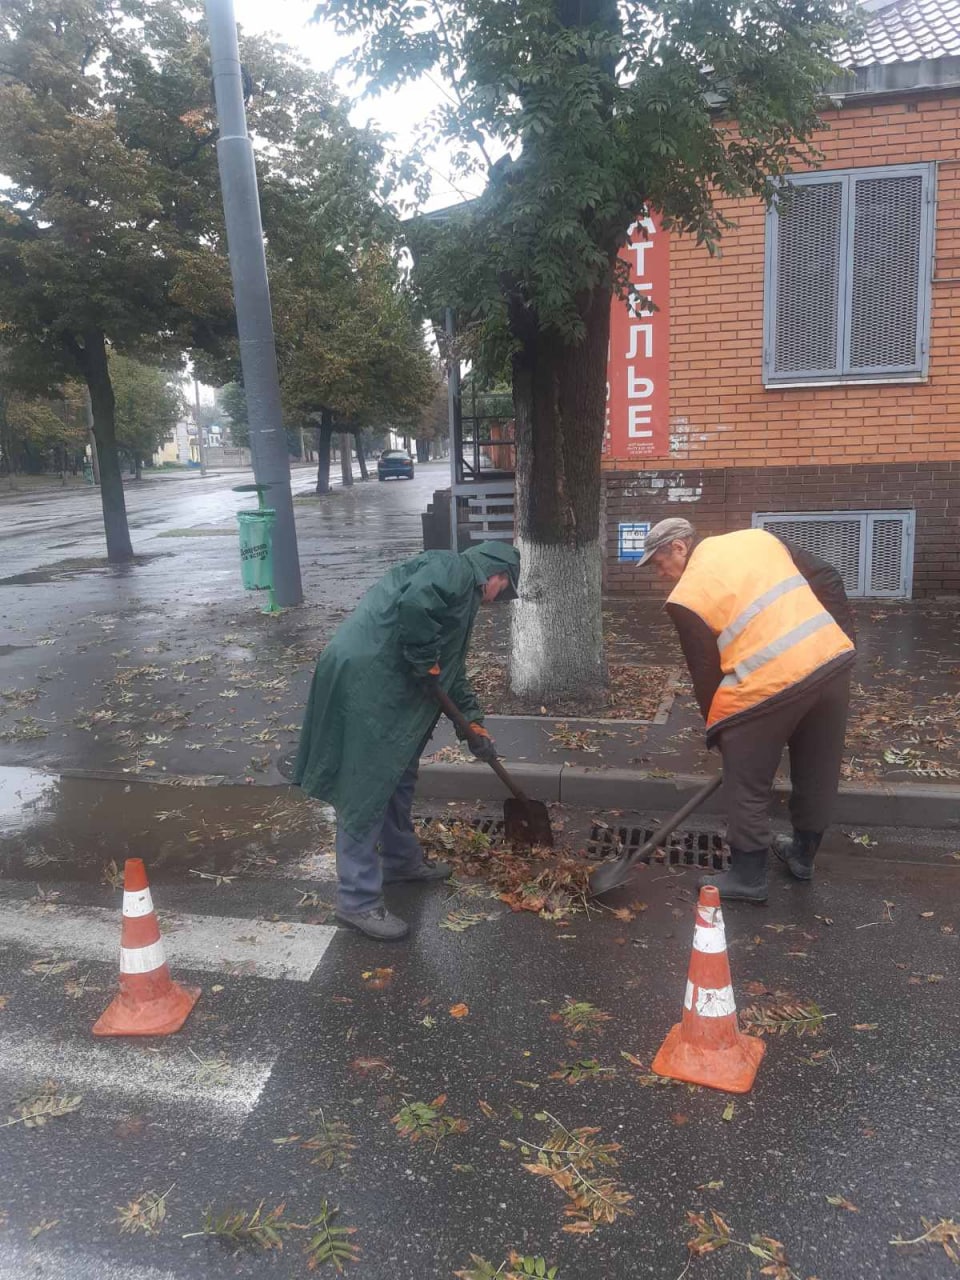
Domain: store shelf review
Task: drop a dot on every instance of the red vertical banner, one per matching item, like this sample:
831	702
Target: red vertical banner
638	364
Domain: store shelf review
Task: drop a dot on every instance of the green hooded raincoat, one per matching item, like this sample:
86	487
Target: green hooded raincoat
367	715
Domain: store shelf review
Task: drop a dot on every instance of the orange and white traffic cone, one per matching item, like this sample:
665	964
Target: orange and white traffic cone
150	1003
707	1046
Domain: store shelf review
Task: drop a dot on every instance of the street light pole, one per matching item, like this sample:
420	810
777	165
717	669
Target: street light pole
251	292
200	449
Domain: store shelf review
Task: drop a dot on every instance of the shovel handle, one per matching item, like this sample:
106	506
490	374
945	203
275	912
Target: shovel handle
453	713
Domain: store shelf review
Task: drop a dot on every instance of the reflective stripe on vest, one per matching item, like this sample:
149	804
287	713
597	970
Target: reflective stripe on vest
731	632
778	647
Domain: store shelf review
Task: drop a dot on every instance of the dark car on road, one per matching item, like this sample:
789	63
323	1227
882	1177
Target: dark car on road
396	463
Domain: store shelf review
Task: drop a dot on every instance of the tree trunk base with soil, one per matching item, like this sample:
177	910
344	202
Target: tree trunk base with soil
557	627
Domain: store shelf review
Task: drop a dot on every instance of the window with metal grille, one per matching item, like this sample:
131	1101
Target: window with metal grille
871	550
847	276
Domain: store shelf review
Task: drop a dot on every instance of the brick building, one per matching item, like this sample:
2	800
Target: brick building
808	380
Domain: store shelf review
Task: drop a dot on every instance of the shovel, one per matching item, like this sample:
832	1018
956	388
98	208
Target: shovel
611	875
525	821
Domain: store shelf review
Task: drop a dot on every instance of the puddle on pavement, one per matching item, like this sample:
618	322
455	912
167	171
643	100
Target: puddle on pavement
67	570
72	827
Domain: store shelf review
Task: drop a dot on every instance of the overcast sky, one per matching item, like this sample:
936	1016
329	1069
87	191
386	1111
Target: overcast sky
398	113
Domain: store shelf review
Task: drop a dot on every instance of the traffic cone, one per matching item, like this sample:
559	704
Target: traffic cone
150	1003
707	1046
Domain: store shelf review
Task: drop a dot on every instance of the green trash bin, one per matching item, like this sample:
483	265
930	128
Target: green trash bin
256	549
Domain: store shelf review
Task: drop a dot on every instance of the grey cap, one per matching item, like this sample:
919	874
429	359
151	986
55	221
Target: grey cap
676	529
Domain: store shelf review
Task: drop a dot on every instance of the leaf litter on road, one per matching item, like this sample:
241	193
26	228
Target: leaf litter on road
514	1267
419	1121
582	1167
945	1232
146	1213
35	1109
716	1234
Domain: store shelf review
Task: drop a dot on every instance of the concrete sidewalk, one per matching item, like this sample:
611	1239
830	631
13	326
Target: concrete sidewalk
902	764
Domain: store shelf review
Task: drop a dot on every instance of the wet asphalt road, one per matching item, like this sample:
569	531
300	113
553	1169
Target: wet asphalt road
867	1110
97	662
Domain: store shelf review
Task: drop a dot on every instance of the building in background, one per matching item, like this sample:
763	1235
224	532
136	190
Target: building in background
807	380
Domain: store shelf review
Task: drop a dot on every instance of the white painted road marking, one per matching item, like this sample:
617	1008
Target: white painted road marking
115	1077
218	944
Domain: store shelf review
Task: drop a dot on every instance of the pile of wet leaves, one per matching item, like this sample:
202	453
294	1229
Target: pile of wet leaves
552	883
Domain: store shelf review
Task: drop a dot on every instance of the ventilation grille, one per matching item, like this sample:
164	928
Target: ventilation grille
871	550
808	278
886	271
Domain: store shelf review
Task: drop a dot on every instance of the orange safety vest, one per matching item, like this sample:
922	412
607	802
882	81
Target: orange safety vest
772	631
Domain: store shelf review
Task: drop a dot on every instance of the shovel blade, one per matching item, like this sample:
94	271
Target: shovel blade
609	876
527	822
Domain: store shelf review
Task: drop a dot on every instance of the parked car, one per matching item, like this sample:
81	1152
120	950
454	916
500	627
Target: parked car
396	463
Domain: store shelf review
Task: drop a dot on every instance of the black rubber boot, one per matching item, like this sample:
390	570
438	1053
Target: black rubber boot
425	871
746	881
798	851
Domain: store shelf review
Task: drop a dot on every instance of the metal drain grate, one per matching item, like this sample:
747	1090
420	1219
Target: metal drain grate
492	827
703	849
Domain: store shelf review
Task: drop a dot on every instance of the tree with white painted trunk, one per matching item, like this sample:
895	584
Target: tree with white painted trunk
580	114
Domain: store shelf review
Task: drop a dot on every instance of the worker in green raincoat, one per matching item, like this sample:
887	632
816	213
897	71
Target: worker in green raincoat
372	710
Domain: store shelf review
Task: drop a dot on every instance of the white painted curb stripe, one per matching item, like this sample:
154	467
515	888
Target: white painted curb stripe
138	903
711	1002
215	944
709	940
142	959
19	1261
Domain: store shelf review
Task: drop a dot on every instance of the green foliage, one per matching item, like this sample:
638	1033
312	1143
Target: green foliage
580	114
257	1230
333	1143
233	401
330	1244
148	405
422	1120
516	1267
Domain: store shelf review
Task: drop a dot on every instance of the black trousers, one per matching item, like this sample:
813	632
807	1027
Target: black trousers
812	727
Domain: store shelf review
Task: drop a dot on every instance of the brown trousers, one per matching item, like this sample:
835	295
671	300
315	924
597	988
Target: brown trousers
812	728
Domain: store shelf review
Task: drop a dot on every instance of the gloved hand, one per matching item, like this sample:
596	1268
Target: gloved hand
430	683
480	743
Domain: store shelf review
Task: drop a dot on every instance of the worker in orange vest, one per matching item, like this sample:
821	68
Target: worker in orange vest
767	633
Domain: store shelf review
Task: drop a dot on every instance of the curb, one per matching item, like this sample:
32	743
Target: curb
879	805
908	805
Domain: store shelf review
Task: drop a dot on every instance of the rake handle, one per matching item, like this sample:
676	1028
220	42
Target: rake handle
453	713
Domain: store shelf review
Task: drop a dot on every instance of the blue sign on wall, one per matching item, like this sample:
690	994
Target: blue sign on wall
631	540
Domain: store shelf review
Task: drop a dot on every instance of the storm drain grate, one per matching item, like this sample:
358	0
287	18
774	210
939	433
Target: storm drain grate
703	849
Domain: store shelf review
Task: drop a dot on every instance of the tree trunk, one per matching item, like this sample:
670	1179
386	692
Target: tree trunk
361	457
559	397
346	460
138	466
423	450
324	436
97	374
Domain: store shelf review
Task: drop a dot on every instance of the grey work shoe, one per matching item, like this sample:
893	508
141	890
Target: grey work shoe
746	881
377	923
416	875
797	852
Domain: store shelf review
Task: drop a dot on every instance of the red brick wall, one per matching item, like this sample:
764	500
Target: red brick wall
725	499
721	413
737	447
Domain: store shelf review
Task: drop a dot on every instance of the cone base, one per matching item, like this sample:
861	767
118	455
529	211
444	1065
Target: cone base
160	1017
732	1070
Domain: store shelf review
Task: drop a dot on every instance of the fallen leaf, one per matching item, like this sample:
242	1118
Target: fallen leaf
842	1203
927	915
711	1186
579	1228
866	1026
680	1119
459	1010
377	979
487	1110
45	1225
728	1110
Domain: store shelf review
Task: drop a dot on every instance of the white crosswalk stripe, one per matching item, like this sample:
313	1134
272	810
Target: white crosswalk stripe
116	1076
216	944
